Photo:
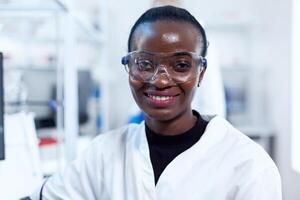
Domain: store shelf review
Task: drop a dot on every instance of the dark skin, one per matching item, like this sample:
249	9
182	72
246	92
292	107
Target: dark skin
175	116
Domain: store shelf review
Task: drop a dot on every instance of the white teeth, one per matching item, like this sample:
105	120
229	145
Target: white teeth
160	98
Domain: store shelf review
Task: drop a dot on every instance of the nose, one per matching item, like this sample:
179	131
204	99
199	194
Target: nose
161	78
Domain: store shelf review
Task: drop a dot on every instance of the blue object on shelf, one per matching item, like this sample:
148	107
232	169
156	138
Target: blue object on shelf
136	119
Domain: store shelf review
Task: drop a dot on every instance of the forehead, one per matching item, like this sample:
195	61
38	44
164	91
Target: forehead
167	36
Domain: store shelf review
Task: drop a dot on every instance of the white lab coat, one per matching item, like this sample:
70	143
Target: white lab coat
223	165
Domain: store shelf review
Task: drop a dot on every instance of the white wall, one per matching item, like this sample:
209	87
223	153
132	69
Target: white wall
274	53
295	86
280	91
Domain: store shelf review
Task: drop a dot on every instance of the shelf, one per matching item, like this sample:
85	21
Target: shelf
43	69
30	8
47	9
80	21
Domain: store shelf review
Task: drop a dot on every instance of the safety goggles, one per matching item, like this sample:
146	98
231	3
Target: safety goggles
177	66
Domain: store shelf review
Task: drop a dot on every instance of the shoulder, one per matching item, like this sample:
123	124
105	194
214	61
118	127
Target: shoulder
128	131
115	140
240	149
104	150
248	165
110	143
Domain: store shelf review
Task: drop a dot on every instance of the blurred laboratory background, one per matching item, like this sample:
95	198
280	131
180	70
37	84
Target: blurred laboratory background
62	82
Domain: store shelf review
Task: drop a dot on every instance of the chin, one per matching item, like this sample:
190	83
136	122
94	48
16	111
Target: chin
161	114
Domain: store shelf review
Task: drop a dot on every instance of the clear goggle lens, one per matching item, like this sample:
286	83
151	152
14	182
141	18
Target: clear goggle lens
178	66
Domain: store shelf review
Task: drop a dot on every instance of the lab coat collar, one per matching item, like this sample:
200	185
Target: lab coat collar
214	134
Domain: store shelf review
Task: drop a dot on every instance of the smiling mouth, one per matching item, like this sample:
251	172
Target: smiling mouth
161	100
160	97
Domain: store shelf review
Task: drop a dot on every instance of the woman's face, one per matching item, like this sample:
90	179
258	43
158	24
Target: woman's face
162	99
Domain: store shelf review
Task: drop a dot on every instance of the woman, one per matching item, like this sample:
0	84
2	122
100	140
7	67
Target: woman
175	153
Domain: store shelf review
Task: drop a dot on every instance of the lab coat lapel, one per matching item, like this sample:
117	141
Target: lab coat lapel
148	186
174	172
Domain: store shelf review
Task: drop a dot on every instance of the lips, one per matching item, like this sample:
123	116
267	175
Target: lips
161	99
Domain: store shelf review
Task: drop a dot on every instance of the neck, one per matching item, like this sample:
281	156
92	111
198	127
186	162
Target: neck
175	126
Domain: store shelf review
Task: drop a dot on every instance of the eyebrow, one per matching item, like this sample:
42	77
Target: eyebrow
182	53
178	53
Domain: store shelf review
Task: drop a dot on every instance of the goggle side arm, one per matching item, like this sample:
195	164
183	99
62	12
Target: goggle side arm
125	60
204	62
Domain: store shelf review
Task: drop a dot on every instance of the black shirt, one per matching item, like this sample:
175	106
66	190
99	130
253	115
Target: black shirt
163	149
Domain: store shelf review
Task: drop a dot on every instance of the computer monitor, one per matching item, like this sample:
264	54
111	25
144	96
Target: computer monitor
2	149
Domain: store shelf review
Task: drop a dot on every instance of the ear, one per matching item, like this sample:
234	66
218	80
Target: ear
201	76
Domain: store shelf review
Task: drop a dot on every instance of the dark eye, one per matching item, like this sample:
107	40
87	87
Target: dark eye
144	65
182	66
